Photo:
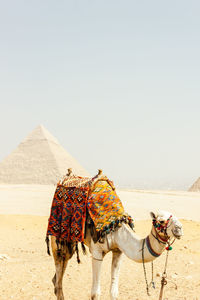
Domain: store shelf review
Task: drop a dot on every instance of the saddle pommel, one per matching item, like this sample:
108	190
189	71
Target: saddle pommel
69	171
101	177
100	172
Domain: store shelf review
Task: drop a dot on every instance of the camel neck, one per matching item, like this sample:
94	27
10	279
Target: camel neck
131	245
155	243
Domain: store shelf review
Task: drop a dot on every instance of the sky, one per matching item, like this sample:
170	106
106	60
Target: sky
116	82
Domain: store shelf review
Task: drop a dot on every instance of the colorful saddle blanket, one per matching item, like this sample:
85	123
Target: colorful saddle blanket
73	197
104	206
68	213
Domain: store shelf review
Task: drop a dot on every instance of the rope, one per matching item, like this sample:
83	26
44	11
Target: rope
145	273
164	275
152	281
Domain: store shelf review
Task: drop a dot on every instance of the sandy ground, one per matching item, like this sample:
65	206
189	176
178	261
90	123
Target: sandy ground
26	270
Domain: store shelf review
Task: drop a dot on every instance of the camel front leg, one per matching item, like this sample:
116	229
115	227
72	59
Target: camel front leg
96	270
116	262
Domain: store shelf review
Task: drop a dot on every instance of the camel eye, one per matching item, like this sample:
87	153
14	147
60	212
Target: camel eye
162	222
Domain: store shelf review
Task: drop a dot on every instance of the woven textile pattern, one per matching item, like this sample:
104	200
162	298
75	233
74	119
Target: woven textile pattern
68	213
75	181
104	206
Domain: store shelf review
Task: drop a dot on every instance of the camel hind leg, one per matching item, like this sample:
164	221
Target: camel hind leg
61	258
58	278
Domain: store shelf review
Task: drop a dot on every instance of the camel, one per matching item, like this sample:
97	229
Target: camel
123	239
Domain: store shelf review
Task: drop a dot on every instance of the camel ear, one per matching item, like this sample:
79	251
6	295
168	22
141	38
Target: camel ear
153	216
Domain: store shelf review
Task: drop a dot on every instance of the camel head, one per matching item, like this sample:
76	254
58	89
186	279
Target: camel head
166	225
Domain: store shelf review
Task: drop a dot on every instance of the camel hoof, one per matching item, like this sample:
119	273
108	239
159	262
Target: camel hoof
55	291
95	297
59	293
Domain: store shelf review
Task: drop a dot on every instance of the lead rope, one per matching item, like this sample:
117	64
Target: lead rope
164	275
145	273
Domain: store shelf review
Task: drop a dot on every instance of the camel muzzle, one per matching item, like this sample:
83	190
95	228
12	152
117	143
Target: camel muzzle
177	233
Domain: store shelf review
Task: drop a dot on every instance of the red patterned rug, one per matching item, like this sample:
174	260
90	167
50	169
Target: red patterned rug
68	213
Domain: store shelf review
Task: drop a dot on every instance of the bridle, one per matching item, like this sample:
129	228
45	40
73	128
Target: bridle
162	228
165	240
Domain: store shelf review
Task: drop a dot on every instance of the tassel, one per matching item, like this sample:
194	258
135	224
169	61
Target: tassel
69	247
77	253
83	248
169	248
58	243
47	242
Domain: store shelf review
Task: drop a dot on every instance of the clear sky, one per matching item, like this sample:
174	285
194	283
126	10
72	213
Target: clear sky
116	82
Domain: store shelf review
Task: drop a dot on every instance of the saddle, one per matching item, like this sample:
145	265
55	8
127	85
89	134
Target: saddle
81	201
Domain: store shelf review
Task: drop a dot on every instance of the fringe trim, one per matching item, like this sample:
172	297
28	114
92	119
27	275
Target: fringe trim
96	236
113	226
70	246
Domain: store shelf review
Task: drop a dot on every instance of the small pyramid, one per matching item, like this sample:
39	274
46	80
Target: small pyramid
39	159
196	186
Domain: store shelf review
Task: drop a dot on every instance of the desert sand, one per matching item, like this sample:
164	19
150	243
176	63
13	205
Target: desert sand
26	270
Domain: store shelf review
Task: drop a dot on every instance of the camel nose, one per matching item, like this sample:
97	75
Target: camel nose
178	231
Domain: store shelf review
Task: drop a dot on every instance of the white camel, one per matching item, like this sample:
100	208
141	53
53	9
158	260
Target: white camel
123	240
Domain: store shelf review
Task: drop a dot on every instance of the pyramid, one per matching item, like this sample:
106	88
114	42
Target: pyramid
196	186
39	159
